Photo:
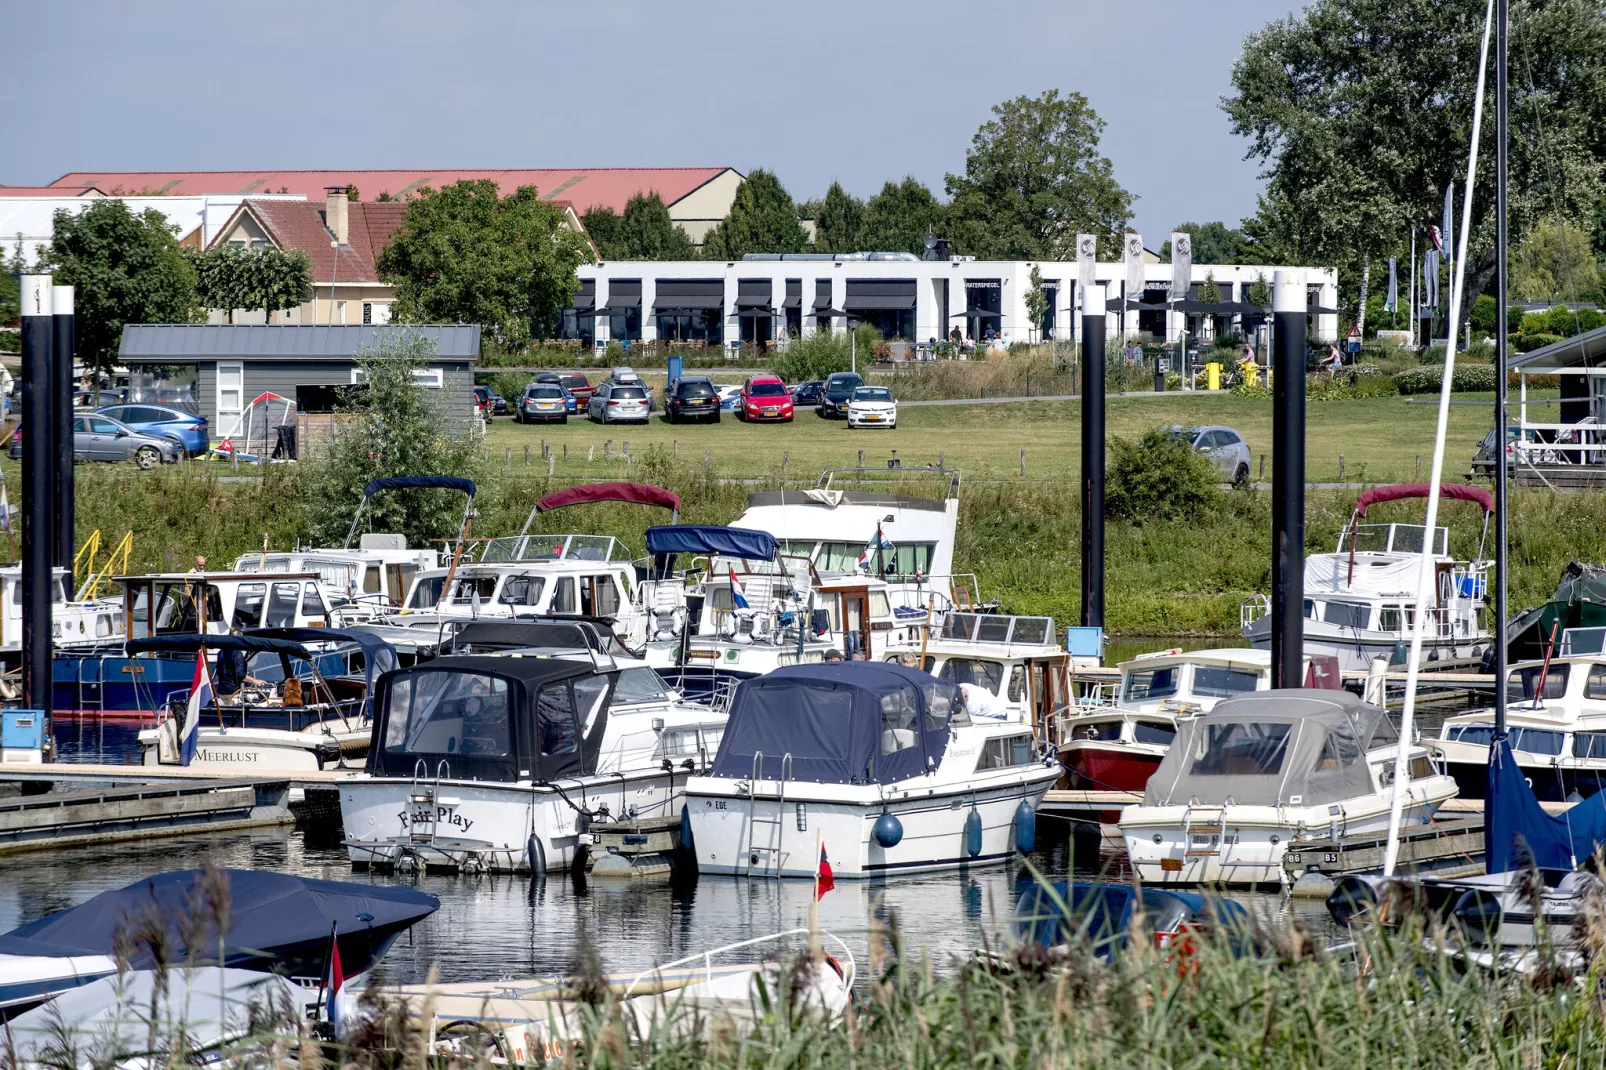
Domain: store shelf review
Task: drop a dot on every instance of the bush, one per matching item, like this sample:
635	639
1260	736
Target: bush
1159	478
1527	343
10	341
1348	386
817	355
1428	378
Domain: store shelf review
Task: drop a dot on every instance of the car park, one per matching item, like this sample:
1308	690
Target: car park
872	406
764	397
619	402
691	397
837	391
542	403
729	395
186	428
807	395
1225	447
579	386
101	438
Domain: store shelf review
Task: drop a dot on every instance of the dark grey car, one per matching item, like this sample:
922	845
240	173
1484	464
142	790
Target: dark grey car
100	438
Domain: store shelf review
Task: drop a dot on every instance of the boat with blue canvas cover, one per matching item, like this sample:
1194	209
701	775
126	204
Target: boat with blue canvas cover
33	971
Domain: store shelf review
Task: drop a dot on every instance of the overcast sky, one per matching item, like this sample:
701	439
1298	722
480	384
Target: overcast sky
857	91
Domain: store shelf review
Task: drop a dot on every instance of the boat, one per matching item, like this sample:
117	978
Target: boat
274	923
878	763
500	761
271	712
33	971
1010	668
1360	600
1105	915
74	622
1263	770
1579	602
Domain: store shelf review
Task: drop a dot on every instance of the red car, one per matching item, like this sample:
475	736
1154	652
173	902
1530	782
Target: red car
764	397
580	387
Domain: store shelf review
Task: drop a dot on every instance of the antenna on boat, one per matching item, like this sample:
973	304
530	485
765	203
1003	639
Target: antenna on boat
1500	342
1425	574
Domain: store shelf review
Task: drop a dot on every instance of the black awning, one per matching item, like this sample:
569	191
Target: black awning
879	301
793	301
688	301
756	314
981	313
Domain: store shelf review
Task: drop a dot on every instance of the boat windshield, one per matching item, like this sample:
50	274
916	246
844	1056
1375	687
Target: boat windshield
640	685
1522	685
1148	685
1218	681
1393	538
447	714
986	675
1243	748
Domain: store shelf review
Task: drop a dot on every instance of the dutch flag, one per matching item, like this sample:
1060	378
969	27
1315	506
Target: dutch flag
736	591
200	696
877	541
339	1006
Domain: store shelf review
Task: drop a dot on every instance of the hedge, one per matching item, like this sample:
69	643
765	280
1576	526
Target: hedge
1428	378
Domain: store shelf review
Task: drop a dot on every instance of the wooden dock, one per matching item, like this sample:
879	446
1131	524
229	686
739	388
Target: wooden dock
1449	848
137	812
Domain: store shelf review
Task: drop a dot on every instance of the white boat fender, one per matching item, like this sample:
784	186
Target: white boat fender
888	830
973	832
1025	827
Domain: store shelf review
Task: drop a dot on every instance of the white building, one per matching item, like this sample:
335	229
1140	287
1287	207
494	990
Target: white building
752	300
27	214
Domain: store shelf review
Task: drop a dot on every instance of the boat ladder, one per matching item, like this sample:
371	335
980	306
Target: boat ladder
769	851
422	800
1213	825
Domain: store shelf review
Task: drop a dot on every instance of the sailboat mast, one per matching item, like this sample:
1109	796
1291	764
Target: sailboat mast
1500	500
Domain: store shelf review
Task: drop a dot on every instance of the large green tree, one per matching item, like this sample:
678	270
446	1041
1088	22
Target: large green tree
465	254
1555	263
1213	243
1033	179
763	219
124	268
644	232
838	221
602	225
1361	111
230	277
897	219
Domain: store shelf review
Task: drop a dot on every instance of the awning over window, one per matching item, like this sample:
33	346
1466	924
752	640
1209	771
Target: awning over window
690	294
794	294
880	294
587	297
754	292
624	293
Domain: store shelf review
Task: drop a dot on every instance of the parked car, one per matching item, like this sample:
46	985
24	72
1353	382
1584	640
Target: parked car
692	397
872	406
96	399
573	403
617	402
580	387
188	429
807	395
1483	458
1225	447
490	402
729	395
837	391
764	397
101	438
543	402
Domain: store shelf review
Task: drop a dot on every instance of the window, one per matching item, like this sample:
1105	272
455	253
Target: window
1017	683
1391	619
589	693
311	603
429	378
1532	740
626	393
766	390
1346	614
1244	748
1154	732
1006	752
522	591
248	599
899	714
555	730
1152	684
281	612
879	605
563	596
640	685
694	389
230	398
370	581
1523	684
102	427
605	596
467	587
1105	731
1589	745
1595	686
438	713
1211	681
984	674
427	593
900	559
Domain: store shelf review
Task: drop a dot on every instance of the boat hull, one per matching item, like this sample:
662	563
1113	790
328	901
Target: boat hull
1108	766
250	749
1357	649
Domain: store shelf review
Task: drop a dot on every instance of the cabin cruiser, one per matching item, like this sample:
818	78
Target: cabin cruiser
1009	668
259	710
74	622
1555	721
1262	770
1360	601
500	761
33	971
594	579
876	764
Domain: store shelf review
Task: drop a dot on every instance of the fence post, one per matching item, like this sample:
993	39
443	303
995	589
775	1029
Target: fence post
786	457
1262	476
1023	463
527	453
507	456
939	459
1028	386
551	460
1419	466
676	444
707	468
1341	468
607	450
861	458
591	453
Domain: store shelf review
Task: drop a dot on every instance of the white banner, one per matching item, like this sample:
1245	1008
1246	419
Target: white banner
1134	267
1181	264
1087	248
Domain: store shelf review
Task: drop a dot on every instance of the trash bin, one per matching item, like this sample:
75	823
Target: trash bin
1213	375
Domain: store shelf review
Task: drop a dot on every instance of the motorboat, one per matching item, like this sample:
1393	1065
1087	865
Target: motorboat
1361	600
268	704
1104	916
33	971
1579	602
875	763
1263	770
1010	668
272	922
1118	746
500	761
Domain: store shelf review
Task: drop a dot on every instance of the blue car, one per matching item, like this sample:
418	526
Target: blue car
164	421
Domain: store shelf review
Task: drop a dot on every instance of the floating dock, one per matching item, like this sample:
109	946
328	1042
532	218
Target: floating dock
138	812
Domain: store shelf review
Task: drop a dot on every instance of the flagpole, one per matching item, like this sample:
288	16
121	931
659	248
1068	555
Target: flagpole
814	898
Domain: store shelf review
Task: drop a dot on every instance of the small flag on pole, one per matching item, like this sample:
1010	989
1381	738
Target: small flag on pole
736	591
877	541
5	508
824	879
337	1001
200	696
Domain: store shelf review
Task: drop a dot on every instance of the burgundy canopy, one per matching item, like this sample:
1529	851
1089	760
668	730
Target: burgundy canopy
1458	491
638	493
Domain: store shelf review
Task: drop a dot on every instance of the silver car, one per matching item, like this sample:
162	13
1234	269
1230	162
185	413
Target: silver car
617	402
101	438
1225	447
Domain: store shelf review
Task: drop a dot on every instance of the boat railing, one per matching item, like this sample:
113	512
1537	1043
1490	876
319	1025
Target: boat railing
1467	581
535	547
1252	609
849	972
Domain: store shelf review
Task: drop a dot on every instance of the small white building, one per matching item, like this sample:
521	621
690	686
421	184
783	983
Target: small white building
756	299
28	214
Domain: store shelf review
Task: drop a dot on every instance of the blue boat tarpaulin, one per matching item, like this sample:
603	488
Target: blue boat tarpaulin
419	483
1517	827
711	539
189	643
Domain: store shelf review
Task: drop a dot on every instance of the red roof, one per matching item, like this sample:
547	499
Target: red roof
58	190
608	187
300	225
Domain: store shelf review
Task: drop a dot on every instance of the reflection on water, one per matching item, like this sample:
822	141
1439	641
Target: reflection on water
489	927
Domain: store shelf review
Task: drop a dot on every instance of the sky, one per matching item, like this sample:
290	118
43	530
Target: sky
858	92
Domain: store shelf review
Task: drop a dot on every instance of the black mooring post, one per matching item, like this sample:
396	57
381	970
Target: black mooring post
1500	344
1093	457
1288	304
62	346
38	492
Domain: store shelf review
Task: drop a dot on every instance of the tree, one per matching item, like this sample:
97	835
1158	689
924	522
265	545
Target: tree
1213	243
602	225
762	219
648	233
393	427
838	221
1259	292
228	277
124	268
897	219
463	254
1555	263
1361	125
1033	179
10	288
1036	298
1209	292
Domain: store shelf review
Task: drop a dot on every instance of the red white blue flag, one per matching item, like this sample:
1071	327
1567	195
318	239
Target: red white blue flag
736	591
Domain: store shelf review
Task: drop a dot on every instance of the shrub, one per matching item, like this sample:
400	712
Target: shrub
1527	343
1427	379
814	356
1348	386
1160	477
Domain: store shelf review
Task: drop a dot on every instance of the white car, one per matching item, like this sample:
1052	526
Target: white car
730	396
1225	447
872	406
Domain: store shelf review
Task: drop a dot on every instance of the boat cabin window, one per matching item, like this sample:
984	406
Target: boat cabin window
1523	684
449	713
1589	745
1017	683
1595	686
602	594
903	559
248	599
1241	748
694	741
311	601
1346	614
1006	752
1153	732
1214	681
1341	748
1108	731
428	593
900	714
398	579
1150	684
589	694
879	606
1532	740
283	598
640	685
370	580
563	596
986	675
341	575
466	587
1394	618
175	608
555	729
522	591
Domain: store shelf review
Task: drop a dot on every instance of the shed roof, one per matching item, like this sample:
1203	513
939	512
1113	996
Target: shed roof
181	343
1579	351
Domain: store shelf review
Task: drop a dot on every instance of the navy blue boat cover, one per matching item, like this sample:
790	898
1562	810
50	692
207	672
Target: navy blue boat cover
422	482
843	722
250	644
267	912
711	539
16	945
1518	827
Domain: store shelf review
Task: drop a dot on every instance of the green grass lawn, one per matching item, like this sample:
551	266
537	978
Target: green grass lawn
1379	439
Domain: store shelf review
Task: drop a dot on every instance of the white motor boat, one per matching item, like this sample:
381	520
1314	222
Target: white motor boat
1264	770
877	763
500	761
1360	601
33	971
75	622
1010	668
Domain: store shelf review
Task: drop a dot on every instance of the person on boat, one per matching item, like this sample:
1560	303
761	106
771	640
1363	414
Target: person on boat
984	704
833	654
